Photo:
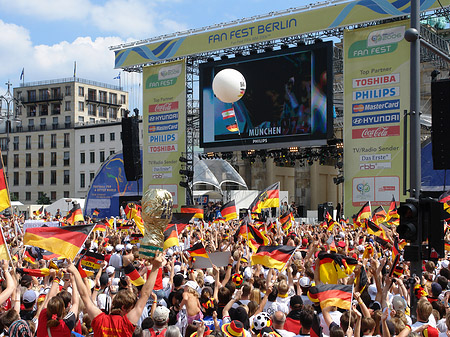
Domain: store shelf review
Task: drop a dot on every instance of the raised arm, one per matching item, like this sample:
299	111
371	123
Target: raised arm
10	284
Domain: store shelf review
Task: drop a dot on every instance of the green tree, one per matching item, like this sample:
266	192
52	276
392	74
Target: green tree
43	200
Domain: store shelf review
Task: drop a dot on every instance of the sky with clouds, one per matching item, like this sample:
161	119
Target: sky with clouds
45	37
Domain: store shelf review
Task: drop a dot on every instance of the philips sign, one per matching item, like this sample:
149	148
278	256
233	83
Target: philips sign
376	93
170	137
393	104
376	119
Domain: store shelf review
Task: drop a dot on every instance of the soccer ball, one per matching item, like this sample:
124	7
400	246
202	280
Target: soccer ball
261	321
237	280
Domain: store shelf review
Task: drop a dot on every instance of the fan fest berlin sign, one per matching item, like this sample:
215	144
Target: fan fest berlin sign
164	126
260	30
376	92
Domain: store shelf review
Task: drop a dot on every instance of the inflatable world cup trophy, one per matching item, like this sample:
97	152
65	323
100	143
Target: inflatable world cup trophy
157	214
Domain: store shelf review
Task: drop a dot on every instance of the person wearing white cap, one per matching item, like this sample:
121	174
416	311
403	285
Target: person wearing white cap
116	259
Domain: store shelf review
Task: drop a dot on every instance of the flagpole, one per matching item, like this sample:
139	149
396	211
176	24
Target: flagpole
351	304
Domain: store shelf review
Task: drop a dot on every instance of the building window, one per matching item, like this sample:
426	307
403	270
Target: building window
16	143
28	178
53	141
80	119
40	159
91	176
66	194
40	177
15	195
16	161
82	180
44	94
67	122
16	179
55	123
102	137
66	158
43	124
113	98
28	160
40	195
111	152
43	110
53	159
112	136
102	96
91	110
3	144
82	158
92	157
68	91
67	106
82	139
122	99
92	138
81	106
67	140
56	108
28	143
31	95
40	141
102	156
113	113
53	177
102	111
31	111
66	177
80	91
53	195
28	196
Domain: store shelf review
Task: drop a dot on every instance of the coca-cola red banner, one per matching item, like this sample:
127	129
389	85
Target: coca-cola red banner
382	131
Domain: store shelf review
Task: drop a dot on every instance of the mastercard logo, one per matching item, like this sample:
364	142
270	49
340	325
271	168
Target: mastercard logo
152	128
358	108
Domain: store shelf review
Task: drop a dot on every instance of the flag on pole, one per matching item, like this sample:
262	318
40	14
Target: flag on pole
117	77
135	278
22	74
233	127
39	211
392	216
196	209
228	211
170	237
198	250
75	215
229	113
95	212
268	198
273	256
4	251
4	194
65	241
364	213
181	220
332	295
74	69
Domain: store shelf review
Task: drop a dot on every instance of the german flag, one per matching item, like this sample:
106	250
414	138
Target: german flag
198	250
75	215
392	216
376	230
286	221
394	264
39	211
95	212
379	215
335	266
196	209
128	210
100	227
135	278
364	213
332	295
402	243
447	246
28	257
135	238
4	251
228	211
171	237
330	222
4	194
181	220
398	271
65	241
91	260
233	127
361	280
253	236
395	249
268	198
34	272
273	256
47	256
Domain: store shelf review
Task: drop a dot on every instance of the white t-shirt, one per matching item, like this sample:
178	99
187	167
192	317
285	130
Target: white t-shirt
335	317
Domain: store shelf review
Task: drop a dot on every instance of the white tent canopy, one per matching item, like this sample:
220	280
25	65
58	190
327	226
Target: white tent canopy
216	172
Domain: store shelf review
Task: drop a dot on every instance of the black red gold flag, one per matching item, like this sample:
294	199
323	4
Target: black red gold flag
273	256
196	209
170	237
75	214
268	198
198	250
228	211
332	295
135	278
5	202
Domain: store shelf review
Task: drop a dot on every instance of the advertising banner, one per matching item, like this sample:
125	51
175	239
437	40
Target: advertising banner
259	29
164	127
376	93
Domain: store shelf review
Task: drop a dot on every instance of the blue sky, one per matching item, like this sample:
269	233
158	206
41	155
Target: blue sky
46	36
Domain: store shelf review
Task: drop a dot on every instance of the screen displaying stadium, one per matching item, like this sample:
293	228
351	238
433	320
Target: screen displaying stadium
288	99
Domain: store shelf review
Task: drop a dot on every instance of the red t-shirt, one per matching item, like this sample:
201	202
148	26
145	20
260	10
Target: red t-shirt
62	330
112	326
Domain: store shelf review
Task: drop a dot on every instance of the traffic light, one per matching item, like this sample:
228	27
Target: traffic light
409	219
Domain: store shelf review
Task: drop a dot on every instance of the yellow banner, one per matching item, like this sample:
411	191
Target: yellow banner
376	87
291	24
164	127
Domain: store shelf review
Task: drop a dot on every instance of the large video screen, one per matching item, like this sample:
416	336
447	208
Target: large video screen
288	99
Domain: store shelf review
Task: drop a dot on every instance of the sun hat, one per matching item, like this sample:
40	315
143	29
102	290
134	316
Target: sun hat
233	329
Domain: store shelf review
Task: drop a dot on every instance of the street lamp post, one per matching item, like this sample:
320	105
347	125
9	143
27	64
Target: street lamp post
7	115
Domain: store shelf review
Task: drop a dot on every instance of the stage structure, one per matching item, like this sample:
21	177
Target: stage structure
296	35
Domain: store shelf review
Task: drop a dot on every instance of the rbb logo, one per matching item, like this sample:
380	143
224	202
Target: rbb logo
367	166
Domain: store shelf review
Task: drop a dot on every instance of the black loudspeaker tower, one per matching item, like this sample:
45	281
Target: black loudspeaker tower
130	148
323	208
440	118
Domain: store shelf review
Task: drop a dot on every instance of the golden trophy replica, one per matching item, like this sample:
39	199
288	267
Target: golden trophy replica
156	214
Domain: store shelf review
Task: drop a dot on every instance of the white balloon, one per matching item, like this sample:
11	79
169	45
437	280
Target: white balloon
229	85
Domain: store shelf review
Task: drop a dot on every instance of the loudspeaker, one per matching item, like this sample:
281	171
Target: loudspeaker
440	118
323	208
130	148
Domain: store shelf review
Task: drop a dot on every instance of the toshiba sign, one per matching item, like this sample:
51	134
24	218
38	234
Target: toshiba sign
376	80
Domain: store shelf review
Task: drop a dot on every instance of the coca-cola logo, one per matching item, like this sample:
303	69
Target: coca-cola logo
163	107
382	131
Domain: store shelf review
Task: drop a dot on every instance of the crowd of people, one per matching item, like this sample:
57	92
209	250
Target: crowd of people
240	299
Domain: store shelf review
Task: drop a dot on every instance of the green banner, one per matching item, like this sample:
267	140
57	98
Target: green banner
293	23
376	92
164	127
